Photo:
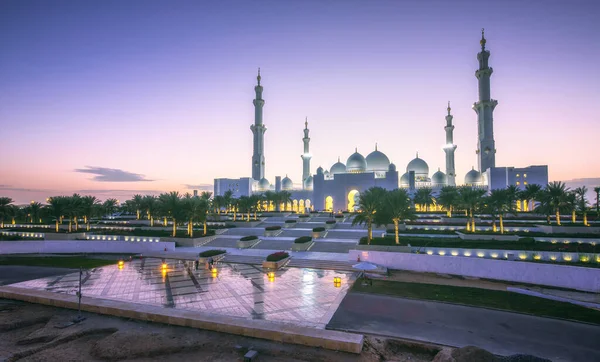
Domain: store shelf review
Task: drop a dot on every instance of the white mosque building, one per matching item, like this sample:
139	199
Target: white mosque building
338	187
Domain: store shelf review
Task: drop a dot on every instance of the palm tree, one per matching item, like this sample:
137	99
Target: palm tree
498	202
597	191
193	208
254	204
89	206
571	205
172	205
512	195
582	203
530	194
544	205
424	198
218	203
396	207
57	207
244	206
137	203
369	202
109	206
234	205
557	194
269	197
448	198
73	206
33	210
284	197
471	199
13	212
151	205
206	195
5	209
227	197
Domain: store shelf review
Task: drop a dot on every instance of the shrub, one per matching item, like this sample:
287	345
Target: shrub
290	221
338	216
208	253
280	255
345	212
303	239
329	222
314	212
273	228
248	238
318	229
303	216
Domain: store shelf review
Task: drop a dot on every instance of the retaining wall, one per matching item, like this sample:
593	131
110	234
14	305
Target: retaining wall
82	246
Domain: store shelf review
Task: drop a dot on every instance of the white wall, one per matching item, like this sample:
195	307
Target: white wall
82	246
586	279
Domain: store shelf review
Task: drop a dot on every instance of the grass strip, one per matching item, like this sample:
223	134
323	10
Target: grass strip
477	297
57	261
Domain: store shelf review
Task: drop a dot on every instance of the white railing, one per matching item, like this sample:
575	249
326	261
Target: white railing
23	234
133	239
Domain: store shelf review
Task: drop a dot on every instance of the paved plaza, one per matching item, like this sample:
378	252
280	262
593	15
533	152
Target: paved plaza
301	296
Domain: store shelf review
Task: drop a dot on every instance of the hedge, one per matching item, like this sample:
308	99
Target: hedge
303	239
280	255
338	216
290	221
249	237
318	229
273	228
303	216
329	222
208	253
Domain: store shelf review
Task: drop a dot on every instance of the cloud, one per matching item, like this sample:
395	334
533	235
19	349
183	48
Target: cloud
112	174
584	181
22	189
204	187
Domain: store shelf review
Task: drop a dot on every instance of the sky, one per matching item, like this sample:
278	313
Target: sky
113	98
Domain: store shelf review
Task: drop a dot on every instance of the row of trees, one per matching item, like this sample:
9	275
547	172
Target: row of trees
381	207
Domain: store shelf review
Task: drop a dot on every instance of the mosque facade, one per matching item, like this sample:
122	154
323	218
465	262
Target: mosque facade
339	187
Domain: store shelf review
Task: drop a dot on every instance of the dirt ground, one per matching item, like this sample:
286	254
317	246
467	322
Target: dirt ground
28	332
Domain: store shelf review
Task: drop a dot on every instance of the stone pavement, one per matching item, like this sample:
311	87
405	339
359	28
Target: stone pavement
300	296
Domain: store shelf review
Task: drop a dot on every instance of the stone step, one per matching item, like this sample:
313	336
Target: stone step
243	259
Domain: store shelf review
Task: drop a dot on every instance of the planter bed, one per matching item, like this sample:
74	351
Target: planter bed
247	242
318	232
215	254
272	230
302	243
276	260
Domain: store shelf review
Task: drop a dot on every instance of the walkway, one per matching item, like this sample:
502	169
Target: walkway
499	332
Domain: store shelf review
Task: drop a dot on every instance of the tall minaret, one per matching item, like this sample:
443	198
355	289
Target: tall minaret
306	155
449	148
258	129
486	147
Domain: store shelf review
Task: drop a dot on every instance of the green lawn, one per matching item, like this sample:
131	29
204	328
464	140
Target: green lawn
56	261
482	298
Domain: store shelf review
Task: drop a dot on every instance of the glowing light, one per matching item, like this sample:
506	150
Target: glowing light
429	252
566	241
522	256
442	252
467	253
494	255
337	279
584	258
121	263
480	254
271	274
553	257
164	266
454	253
537	257
567	257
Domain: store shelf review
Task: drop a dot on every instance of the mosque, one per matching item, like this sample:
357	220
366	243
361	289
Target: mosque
339	187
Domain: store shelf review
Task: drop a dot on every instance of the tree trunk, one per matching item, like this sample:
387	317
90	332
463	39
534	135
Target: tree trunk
191	229
585	218
165	221
573	217
369	232
494	229
137	214
396	230
468	224
205	228
56	225
88	226
174	227
151	220
557	217
234	215
501	224
255	215
76	224
70	225
248	216
13	220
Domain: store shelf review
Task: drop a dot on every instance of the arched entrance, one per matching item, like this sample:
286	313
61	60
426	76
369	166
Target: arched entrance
301	206
295	205
308	204
353	197
329	203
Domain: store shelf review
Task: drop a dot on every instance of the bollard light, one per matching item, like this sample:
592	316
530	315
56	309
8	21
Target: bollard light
337	279
271	275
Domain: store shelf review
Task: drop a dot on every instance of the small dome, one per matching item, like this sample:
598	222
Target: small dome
419	166
473	178
326	173
392	168
439	178
377	161
356	163
287	184
264	184
319	170
308	183
337	167
404	180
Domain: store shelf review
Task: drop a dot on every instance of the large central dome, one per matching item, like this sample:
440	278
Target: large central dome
356	163
419	166
377	161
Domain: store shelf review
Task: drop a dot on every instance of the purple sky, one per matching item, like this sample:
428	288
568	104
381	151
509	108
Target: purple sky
94	91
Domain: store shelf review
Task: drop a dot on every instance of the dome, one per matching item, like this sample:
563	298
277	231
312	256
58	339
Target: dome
264	184
319	170
404	180
338	167
392	168
419	166
287	184
308	183
377	161
439	178
473	178
356	163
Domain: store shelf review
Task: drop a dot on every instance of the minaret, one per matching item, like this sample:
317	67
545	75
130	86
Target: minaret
258	129
486	147
306	155
449	148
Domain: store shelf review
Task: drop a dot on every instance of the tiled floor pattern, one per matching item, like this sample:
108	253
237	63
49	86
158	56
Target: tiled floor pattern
301	296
